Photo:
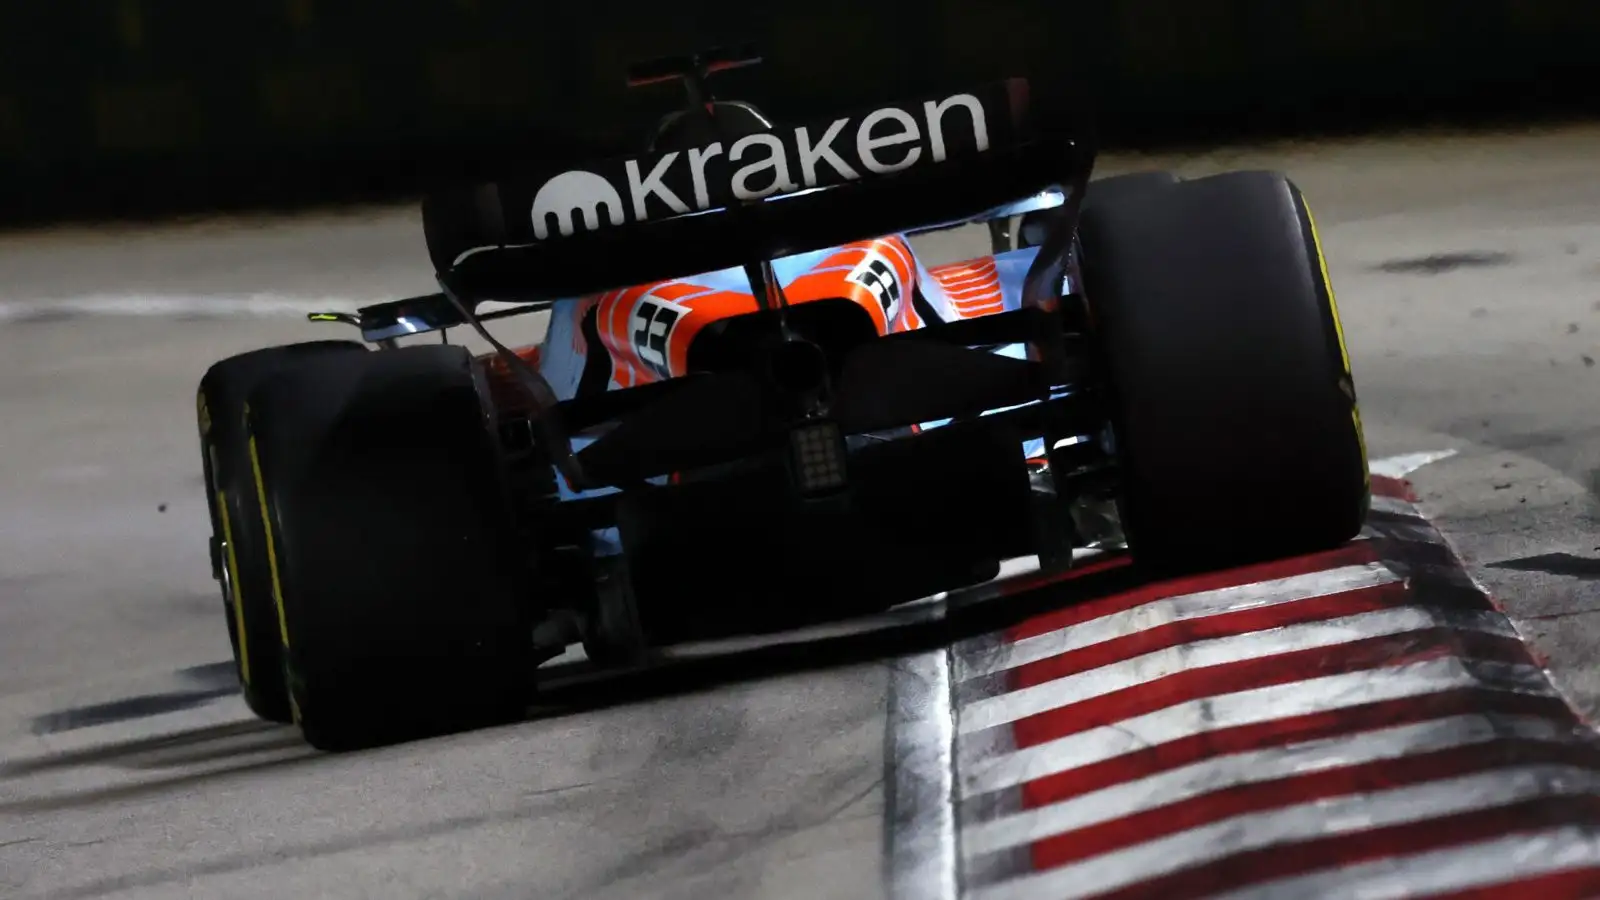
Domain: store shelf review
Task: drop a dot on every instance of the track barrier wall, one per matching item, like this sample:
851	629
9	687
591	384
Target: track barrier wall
151	106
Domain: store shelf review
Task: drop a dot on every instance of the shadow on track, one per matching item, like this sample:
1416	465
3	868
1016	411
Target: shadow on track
916	628
184	758
157	764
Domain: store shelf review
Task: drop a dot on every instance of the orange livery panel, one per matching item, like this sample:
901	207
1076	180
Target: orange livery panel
648	330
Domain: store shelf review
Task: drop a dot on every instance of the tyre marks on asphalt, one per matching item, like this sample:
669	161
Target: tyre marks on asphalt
1357	723
140	759
199	685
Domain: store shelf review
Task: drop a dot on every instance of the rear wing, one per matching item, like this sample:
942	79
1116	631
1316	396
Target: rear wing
931	162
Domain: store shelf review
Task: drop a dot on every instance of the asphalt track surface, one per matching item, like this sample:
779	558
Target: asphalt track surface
1467	272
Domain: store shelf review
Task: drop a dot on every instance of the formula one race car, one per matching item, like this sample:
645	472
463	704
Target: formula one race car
753	395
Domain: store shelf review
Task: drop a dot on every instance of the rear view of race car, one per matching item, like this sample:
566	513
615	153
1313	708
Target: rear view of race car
404	533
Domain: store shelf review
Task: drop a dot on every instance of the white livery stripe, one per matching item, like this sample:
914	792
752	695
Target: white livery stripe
1317	695
1176	609
965	275
1010	707
1478	865
980	280
1213	775
973	311
1413	804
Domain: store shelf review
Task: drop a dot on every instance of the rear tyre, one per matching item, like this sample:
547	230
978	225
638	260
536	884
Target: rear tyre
1115	189
1121	188
613	632
239	559
1235	419
403	588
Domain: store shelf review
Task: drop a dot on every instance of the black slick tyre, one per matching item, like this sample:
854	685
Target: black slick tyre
402	588
1122	188
1235	416
239	559
613	634
1113	189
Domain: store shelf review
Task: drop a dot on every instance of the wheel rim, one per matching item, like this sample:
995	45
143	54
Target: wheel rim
233	610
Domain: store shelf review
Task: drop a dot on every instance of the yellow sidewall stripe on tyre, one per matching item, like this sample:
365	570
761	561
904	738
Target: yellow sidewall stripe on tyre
232	562
272	550
1338	330
272	566
1327	283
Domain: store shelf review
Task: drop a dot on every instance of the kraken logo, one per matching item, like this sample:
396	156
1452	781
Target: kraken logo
573	193
757	166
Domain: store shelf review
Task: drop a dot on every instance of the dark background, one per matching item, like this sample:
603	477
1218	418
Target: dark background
142	107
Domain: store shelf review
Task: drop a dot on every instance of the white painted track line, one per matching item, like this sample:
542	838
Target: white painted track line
923	856
175	306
